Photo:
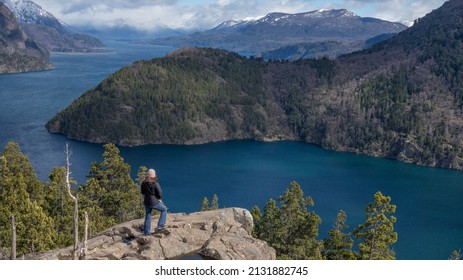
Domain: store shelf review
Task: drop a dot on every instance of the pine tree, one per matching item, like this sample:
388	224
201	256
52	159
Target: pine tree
270	223
89	201
215	202
59	206
18	163
34	228
141	175
291	229
299	227
377	233
213	205
204	205
111	186
456	255
338	246
257	219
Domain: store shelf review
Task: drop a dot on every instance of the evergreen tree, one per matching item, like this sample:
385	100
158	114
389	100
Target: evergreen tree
299	227
34	228
257	219
215	202
291	229
270	223
89	201
18	163
377	233
141	175
204	204
111	186
213	205
59	206
338	246
456	255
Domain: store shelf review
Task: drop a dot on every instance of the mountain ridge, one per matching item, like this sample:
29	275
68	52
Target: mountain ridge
279	30
46	29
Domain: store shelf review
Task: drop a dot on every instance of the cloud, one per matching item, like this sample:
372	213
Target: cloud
396	10
190	14
78	6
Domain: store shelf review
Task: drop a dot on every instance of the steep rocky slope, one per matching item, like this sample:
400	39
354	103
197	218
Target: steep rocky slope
18	52
47	30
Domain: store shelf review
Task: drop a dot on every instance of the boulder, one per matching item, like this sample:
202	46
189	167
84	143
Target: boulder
223	234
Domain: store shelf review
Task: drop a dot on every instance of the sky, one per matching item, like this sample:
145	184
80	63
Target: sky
205	14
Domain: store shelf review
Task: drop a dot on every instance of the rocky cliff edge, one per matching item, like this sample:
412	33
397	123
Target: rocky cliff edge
223	234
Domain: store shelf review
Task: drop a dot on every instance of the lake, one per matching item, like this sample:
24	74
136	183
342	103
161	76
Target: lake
241	173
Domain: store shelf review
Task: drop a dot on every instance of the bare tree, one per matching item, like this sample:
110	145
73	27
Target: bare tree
13	238
85	234
75	198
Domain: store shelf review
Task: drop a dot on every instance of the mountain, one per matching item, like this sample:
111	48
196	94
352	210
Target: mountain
18	52
43	27
331	49
401	98
121	30
279	30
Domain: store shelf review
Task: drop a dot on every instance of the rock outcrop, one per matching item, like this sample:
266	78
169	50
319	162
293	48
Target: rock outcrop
223	234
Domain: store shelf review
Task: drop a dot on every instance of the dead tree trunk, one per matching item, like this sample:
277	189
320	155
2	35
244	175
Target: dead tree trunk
76	208
76	227
13	238
85	233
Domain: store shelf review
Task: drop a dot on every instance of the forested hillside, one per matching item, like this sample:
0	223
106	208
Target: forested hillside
401	99
191	96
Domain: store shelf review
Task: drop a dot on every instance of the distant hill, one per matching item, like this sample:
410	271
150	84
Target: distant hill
18	52
192	96
331	49
121	30
401	98
44	28
339	31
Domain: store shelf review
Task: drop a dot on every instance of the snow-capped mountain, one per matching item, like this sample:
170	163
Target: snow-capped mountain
278	30
232	24
304	18
320	22
46	29
29	12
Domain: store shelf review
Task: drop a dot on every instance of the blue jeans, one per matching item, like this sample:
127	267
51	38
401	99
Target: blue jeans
162	219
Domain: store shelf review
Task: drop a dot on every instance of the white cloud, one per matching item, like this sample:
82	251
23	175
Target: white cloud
396	10
148	14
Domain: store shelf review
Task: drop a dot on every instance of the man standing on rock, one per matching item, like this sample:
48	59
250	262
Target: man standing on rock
152	192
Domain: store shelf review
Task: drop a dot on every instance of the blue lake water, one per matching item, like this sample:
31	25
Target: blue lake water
241	173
